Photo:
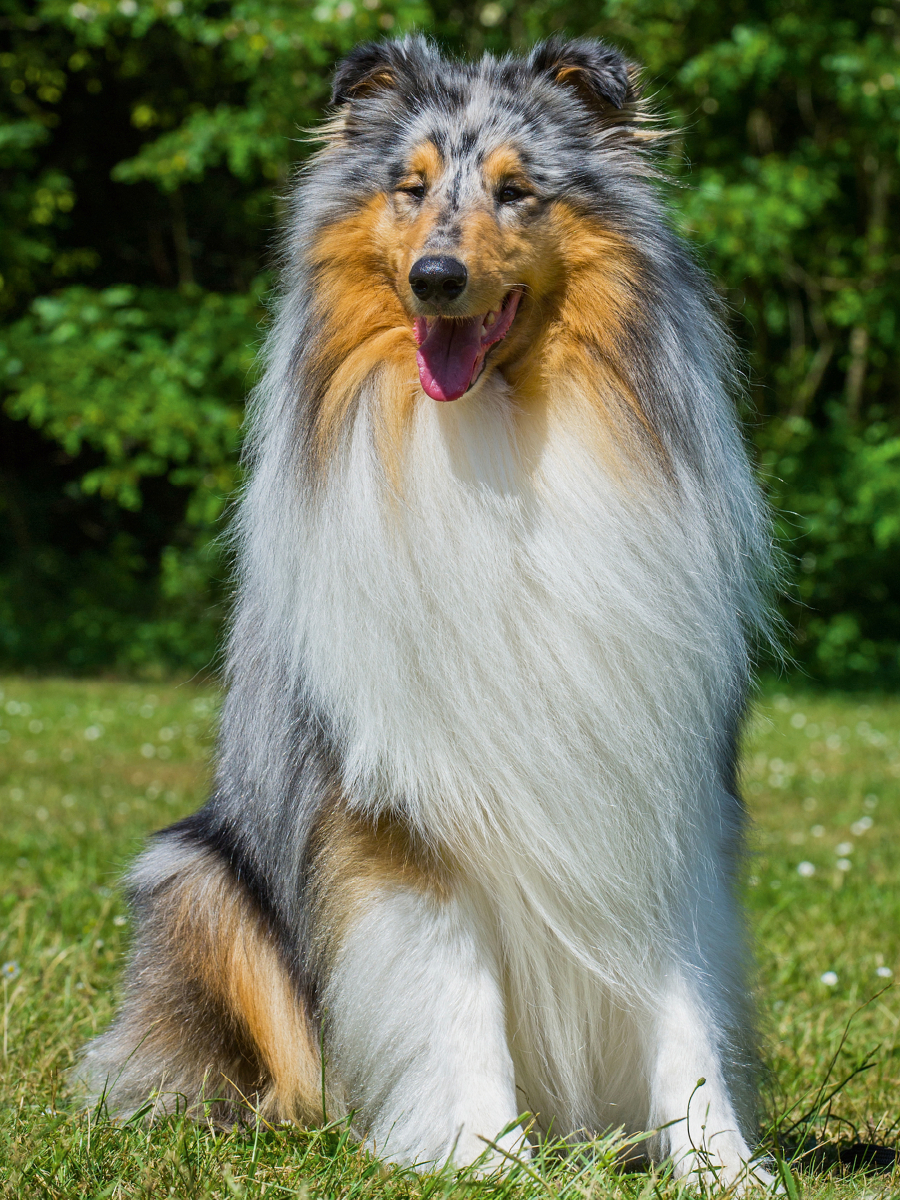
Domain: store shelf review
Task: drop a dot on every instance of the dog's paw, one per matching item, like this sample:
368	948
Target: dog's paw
474	1153
731	1170
502	1155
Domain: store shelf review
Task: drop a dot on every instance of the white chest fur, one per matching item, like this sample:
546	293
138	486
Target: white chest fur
530	663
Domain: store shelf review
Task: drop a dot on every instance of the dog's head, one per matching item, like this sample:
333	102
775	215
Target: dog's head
459	208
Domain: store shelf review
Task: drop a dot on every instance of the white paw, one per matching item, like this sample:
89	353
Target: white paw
500	1154
729	1168
480	1155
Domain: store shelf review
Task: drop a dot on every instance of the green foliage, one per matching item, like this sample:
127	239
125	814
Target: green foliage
143	148
134	385
839	495
152	380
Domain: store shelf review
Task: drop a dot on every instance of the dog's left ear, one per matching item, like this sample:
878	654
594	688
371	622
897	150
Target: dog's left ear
601	76
369	68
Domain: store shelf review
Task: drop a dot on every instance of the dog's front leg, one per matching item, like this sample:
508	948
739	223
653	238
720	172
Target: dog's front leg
416	1034
690	1095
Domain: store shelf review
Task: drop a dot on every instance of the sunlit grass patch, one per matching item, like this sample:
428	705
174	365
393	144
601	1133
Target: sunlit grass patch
88	769
823	782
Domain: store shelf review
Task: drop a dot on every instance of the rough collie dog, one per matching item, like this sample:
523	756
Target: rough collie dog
472	846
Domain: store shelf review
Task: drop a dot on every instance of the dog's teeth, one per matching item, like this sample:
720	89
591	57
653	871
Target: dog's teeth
489	320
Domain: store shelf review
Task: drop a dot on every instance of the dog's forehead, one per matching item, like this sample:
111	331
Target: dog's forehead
470	122
466	111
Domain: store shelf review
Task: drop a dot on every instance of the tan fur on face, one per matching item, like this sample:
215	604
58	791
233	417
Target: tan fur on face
580	282
426	165
503	165
565	349
491	251
367	332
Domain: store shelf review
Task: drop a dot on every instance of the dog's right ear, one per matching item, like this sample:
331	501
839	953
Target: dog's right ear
369	68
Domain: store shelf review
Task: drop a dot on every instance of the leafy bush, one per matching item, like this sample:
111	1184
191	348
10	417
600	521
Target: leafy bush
133	385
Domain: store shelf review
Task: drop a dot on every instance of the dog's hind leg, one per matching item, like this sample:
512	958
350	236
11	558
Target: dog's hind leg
415	1025
211	1018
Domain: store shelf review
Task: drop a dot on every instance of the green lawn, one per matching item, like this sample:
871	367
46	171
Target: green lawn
88	768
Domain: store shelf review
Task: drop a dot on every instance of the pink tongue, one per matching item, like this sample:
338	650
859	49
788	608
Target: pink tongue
448	355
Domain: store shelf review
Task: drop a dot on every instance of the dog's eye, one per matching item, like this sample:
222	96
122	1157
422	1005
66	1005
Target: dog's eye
509	193
416	191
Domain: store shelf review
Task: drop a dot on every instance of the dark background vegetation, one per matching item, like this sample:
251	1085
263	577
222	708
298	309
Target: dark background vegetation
143	147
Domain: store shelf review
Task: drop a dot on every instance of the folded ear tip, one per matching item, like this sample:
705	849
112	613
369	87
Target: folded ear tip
374	65
590	65
364	61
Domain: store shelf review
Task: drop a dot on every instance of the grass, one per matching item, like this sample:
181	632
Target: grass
88	768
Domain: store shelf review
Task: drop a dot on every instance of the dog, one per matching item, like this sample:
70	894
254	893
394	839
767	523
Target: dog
474	838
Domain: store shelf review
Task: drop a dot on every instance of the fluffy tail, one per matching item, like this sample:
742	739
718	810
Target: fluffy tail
212	1022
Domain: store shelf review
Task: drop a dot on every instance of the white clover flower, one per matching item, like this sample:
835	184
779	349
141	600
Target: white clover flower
9	971
843	864
806	869
883	972
842	849
829	978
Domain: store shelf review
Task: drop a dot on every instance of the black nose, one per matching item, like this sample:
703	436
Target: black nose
438	278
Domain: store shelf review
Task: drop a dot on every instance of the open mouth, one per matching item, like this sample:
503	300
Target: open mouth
452	350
